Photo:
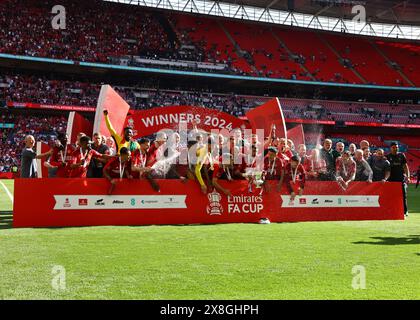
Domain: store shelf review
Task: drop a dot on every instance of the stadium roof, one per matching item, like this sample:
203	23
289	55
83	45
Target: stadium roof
382	11
327	15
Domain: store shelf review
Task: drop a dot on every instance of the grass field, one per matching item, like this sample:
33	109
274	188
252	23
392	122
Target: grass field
234	261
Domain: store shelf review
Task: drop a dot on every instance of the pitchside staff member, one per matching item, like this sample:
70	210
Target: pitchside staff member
418	177
339	147
399	171
29	167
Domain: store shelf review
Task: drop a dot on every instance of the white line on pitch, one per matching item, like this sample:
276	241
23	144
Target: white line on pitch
7	191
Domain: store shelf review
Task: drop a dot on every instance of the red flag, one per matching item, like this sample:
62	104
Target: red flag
297	135
76	124
267	114
117	111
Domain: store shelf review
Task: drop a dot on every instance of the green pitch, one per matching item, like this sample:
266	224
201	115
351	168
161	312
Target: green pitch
236	261
5	202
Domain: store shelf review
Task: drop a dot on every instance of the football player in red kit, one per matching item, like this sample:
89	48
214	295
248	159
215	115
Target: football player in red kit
273	165
345	169
273	168
139	164
223	171
118	167
294	177
81	158
61	156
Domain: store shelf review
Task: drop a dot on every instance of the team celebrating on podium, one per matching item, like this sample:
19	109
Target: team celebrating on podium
208	158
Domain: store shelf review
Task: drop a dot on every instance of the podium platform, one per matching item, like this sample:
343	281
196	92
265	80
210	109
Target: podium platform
84	202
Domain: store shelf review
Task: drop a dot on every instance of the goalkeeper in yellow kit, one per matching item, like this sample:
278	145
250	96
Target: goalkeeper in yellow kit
121	141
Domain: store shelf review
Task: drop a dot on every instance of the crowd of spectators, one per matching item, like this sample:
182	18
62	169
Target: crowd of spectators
95	30
38	89
21	88
105	32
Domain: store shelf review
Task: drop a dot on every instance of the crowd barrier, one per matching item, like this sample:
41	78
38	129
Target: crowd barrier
84	202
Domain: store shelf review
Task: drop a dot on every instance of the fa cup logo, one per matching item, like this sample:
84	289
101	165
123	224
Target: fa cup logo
131	122
214	207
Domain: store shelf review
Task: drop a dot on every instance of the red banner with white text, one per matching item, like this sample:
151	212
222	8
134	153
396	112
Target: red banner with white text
147	122
30	105
84	202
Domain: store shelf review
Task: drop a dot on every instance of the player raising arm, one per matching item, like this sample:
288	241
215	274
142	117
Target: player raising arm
121	141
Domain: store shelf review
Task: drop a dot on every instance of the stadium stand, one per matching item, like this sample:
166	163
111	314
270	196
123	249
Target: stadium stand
317	57
95	31
404	56
99	31
264	51
209	37
362	56
40	89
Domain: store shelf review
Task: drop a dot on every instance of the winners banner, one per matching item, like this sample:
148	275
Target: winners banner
150	121
84	202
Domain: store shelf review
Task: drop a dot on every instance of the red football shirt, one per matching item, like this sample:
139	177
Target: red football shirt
294	178
138	159
117	169
273	168
77	156
59	156
313	168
